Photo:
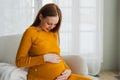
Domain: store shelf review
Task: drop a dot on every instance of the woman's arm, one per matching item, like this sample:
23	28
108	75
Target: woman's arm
23	59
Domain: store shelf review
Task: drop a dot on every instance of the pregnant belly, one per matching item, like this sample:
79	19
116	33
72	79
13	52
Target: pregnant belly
48	70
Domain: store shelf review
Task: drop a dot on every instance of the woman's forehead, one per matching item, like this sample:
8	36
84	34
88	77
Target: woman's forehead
52	19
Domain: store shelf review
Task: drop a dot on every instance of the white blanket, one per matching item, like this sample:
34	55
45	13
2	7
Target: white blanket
11	72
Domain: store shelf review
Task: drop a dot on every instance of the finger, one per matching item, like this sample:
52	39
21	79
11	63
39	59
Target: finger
55	55
62	77
57	60
65	72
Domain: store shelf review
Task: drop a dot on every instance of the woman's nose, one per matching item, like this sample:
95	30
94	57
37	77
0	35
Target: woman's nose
51	27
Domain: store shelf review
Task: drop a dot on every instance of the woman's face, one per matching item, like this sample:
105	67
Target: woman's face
49	23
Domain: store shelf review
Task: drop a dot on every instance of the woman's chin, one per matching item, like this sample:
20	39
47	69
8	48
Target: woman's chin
47	30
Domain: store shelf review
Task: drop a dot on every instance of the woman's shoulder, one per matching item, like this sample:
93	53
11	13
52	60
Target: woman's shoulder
29	33
30	29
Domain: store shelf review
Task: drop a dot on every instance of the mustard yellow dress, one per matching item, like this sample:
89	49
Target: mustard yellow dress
34	44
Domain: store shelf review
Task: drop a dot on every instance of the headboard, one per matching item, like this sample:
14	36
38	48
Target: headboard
8	48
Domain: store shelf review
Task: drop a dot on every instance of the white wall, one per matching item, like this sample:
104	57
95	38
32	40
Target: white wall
119	33
110	44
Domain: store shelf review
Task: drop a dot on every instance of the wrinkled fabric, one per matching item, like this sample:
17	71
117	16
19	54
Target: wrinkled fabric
11	72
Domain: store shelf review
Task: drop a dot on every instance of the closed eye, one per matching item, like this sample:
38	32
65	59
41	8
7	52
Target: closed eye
51	24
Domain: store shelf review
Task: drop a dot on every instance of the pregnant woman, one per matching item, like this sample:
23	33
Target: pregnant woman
39	48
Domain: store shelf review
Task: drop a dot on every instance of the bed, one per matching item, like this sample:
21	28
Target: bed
8	71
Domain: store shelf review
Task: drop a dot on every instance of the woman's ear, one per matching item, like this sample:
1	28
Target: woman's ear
40	16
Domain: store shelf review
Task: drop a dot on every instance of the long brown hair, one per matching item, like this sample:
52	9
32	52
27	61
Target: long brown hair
50	9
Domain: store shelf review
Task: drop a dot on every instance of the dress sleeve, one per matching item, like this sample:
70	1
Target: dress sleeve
22	58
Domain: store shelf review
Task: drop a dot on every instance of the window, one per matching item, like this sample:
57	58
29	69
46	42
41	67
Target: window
81	29
80	26
16	16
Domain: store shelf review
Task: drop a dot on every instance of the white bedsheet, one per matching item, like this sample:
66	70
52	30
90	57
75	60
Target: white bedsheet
11	72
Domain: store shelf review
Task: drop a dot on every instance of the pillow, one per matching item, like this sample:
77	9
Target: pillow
8	48
76	63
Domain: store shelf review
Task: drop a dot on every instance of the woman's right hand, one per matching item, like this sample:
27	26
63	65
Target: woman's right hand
52	58
64	76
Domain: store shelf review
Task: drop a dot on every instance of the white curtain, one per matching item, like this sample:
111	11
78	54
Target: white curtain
16	16
81	30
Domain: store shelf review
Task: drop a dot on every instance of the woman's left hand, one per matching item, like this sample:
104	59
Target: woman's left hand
64	76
